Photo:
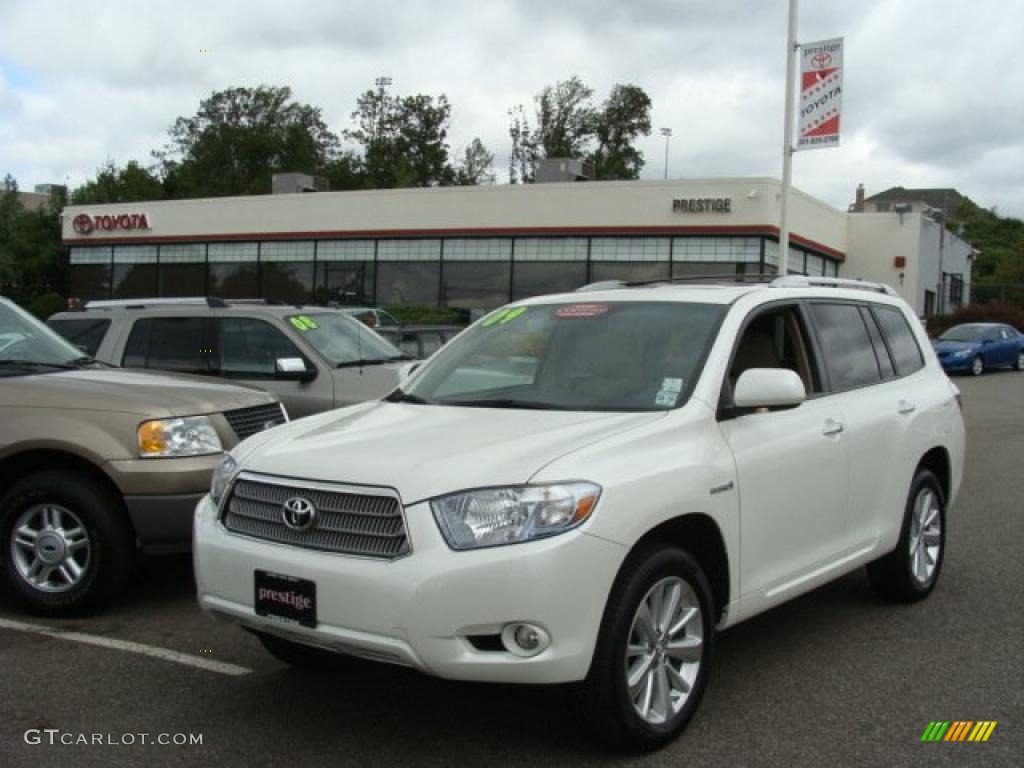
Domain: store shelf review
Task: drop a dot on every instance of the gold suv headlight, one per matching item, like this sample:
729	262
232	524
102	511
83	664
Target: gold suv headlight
189	436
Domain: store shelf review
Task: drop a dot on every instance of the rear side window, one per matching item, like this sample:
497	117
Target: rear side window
846	346
168	344
905	352
86	333
250	348
881	351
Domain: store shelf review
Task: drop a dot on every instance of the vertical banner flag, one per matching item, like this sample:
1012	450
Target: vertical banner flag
821	94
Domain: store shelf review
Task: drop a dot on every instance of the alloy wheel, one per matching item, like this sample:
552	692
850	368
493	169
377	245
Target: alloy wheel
664	650
925	536
50	548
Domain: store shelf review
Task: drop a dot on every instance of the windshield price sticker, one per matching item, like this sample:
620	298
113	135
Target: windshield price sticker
671	385
503	316
666	399
581	310
303	323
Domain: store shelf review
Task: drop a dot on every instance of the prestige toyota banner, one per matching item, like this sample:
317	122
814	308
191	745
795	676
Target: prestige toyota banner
821	94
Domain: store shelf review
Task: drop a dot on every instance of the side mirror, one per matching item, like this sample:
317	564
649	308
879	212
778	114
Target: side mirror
769	388
293	369
987	341
407	370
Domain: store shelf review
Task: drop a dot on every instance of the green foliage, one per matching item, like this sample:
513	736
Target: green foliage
119	185
47	304
416	314
1000	240
30	246
239	138
977	313
567	124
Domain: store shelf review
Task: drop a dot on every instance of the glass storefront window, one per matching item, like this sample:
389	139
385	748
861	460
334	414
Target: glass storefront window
135	272
629	271
233	270
349	283
476	284
89	274
407	282
540	277
182	270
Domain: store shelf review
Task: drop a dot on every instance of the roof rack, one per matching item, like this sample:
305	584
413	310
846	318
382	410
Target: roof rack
719	279
209	301
802	281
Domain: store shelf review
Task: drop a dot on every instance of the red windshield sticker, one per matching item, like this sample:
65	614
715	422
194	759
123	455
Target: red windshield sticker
582	310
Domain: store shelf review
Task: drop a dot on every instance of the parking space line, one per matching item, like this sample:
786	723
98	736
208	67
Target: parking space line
152	651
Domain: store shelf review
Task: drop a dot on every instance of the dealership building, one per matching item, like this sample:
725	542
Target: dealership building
480	247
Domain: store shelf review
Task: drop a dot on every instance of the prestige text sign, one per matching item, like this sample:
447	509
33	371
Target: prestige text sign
702	205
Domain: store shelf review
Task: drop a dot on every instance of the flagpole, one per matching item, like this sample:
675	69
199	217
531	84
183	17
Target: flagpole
787	142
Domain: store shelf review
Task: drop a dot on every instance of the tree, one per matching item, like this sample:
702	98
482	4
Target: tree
30	245
476	165
119	185
622	119
404	141
568	125
239	138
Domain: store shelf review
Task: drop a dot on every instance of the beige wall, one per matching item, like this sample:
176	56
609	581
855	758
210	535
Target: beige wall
631	205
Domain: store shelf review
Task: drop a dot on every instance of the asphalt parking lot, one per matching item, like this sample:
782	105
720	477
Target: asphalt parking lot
833	678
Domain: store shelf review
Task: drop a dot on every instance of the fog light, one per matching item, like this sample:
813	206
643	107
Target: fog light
524	639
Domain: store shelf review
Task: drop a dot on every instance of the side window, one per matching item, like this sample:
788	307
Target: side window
431	342
905	352
410	345
777	338
881	351
846	346
250	348
85	333
168	344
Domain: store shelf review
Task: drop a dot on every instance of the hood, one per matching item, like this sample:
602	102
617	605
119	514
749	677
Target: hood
948	347
127	391
424	451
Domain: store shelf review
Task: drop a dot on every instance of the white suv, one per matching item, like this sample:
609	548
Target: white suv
587	487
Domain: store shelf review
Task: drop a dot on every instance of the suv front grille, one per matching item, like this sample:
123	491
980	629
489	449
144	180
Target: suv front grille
344	522
249	421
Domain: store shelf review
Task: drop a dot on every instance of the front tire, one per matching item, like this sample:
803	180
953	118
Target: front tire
654	650
977	366
66	547
1019	364
909	573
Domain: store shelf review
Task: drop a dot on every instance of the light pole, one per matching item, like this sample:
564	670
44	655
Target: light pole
787	140
667	133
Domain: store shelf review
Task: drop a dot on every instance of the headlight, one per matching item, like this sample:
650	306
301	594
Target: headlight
494	516
962	353
222	477
191	436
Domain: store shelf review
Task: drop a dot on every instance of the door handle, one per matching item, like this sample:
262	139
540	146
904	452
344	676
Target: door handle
905	407
832	427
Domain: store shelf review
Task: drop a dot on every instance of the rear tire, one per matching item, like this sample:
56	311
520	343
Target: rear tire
305	657
66	546
663	663
909	573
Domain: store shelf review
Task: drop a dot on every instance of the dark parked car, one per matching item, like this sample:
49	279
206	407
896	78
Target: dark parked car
975	347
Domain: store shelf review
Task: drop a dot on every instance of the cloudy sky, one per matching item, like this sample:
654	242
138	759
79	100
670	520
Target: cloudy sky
934	91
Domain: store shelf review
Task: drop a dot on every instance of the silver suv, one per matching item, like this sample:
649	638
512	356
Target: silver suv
312	358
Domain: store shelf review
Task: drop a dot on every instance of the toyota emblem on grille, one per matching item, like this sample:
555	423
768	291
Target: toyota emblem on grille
298	513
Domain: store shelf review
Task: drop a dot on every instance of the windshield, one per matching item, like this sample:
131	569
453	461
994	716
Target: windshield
27	344
965	333
614	356
341	340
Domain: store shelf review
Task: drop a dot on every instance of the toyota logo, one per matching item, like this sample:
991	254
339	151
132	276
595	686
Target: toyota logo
82	224
821	59
298	513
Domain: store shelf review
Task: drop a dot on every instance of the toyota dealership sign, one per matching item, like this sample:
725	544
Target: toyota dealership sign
83	224
821	94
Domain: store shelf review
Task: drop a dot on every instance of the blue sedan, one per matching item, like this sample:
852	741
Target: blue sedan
975	347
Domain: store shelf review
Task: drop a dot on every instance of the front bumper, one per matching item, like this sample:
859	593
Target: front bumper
419	610
956	363
161	496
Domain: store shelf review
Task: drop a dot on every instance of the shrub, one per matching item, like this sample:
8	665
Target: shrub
978	313
47	304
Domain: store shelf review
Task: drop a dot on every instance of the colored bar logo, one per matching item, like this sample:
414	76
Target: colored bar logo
958	730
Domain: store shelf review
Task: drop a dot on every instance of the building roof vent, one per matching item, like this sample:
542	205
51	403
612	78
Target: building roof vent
555	169
290	183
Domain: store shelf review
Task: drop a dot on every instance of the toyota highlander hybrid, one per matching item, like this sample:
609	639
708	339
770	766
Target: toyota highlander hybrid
586	488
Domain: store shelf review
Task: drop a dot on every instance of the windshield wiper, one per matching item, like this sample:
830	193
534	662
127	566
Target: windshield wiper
361	363
508	402
84	360
15	363
398	396
401	357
